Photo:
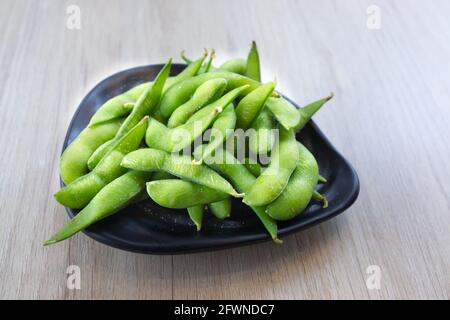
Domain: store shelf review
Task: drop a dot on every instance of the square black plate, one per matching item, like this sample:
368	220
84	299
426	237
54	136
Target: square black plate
146	227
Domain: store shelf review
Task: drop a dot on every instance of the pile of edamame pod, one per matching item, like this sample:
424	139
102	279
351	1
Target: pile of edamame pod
144	144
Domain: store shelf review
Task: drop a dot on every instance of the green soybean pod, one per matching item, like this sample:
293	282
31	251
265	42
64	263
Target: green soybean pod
182	91
238	66
177	165
206	93
284	111
253	68
144	107
274	179
173	140
113	197
299	190
160	137
196	214
221	209
228	166
221	130
181	194
253	166
250	106
79	192
74	159
119	106
262	140
308	111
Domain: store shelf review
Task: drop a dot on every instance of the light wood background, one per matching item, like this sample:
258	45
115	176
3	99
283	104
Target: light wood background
390	118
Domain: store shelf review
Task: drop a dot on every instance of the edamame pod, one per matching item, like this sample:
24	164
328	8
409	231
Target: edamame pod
206	93
113	197
78	193
74	159
274	179
299	190
253	68
253	166
179	194
308	111
221	129
238	66
119	106
221	209
182	91
173	140
284	111
262	140
196	215
228	166
160	137
250	106
177	165
144	107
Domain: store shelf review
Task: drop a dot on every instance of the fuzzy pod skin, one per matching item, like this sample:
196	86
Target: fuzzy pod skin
262	140
78	193
251	105
144	106
229	167
253	68
182	91
119	106
180	194
221	209
177	165
307	112
298	192
206	93
221	129
113	197
271	183
196	214
73	163
284	111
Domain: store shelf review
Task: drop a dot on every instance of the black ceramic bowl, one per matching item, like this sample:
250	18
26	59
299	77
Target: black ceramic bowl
146	227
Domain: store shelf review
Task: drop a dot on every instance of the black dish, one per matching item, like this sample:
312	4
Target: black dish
148	228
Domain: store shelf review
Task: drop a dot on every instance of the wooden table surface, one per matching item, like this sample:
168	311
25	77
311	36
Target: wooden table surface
390	118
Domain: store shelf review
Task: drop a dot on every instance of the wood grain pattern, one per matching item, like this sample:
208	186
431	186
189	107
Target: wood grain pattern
390	118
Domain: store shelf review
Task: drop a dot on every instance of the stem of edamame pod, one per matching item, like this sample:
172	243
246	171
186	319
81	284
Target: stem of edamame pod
322	179
308	111
321	198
